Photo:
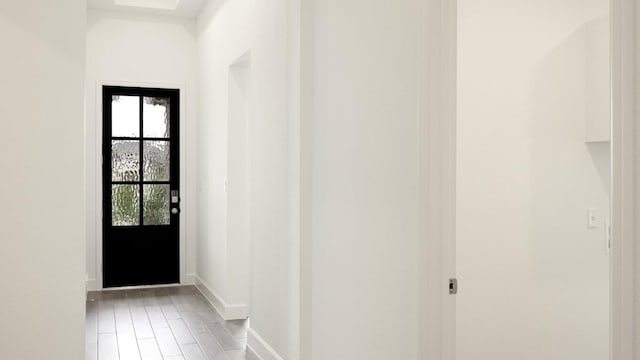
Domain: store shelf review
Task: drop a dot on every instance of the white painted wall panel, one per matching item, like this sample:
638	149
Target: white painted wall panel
226	31
41	156
140	50
364	179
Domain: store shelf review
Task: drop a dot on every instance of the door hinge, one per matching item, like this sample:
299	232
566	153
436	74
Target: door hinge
453	286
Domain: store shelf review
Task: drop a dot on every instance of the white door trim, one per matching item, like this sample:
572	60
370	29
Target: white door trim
437	142
438	114
625	176
184	213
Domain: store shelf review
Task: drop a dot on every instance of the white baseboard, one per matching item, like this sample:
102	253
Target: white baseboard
189	279
252	354
92	285
227	311
260	347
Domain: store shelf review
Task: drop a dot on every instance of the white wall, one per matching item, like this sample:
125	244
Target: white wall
364	153
42	222
227	30
238	195
223	37
533	278
141	50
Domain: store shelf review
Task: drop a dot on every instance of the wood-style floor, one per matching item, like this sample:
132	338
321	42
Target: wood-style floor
170	323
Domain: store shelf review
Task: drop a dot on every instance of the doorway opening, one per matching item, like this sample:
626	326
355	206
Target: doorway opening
141	182
533	180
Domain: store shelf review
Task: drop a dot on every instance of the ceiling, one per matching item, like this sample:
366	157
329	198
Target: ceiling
184	8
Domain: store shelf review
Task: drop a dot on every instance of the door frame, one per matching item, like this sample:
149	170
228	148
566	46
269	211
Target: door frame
438	155
184	211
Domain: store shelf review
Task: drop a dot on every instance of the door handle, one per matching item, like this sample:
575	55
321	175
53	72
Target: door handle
175	211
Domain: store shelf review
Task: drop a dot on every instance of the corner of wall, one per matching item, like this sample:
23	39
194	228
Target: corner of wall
189	279
227	311
91	285
260	348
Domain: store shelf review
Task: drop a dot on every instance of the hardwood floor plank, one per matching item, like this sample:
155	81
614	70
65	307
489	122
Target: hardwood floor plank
181	302
169	311
108	347
124	322
227	341
159	292
194	322
141	322
167	343
211	316
147	293
173	323
91	350
128	345
181	332
236	355
202	306
209	344
106	318
118	294
156	317
149	349
198	302
193	352
91	324
150	299
222	356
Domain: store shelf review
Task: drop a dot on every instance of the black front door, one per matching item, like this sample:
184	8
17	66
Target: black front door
140	186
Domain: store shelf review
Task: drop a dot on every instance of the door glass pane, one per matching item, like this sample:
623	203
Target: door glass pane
156	204
125	205
125	160
156	117
125	111
156	160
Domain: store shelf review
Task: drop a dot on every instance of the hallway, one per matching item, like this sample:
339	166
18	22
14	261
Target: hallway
160	323
314	182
